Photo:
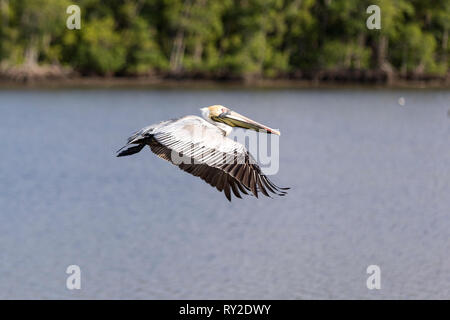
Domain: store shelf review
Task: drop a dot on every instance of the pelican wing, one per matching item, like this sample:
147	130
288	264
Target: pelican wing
201	149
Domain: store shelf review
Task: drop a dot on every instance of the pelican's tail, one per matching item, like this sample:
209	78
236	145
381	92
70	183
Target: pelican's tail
128	149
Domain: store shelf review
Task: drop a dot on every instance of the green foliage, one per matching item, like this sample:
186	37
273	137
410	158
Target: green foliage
29	29
262	38
99	48
341	55
143	52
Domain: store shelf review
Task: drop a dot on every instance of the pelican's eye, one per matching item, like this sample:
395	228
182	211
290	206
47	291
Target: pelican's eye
224	113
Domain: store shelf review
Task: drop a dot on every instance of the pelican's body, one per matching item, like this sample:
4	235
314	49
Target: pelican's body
201	148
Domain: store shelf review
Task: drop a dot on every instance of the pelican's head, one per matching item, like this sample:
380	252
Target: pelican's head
223	115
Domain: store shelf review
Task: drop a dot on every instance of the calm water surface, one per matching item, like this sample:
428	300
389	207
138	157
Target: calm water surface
370	185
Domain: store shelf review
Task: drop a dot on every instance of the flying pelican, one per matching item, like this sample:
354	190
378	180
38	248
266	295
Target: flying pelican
201	148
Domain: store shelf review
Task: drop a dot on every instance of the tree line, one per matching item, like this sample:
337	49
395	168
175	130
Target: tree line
227	38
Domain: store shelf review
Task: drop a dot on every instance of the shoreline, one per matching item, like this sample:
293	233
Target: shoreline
200	83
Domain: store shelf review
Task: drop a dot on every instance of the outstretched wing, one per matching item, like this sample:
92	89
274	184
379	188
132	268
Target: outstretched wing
201	149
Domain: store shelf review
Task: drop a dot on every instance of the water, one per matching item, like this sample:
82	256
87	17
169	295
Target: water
370	185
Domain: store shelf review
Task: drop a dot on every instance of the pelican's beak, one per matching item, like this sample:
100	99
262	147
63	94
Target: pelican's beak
234	119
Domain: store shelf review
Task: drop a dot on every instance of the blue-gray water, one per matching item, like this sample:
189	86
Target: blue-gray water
370	185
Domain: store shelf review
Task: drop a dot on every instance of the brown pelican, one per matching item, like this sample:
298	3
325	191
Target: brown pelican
201	148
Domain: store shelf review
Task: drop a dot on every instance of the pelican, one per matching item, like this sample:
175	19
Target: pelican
201	148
